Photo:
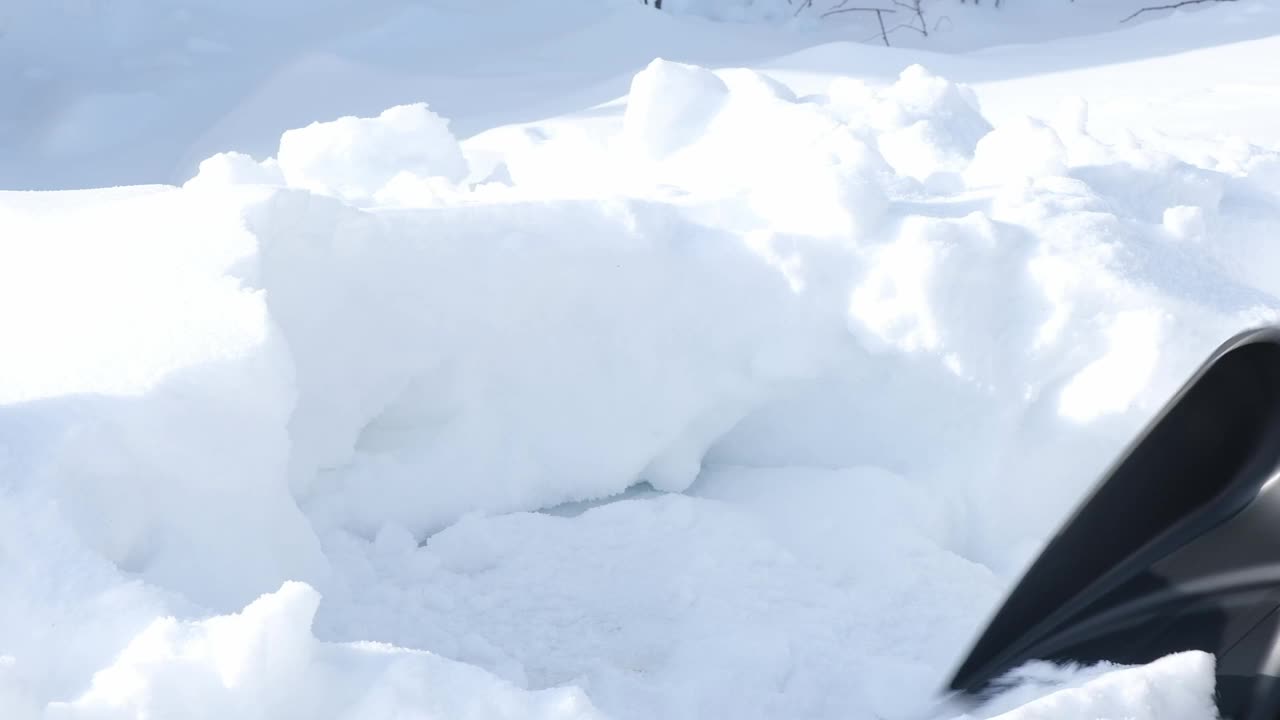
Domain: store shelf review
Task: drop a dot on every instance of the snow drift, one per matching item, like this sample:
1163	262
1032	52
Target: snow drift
538	401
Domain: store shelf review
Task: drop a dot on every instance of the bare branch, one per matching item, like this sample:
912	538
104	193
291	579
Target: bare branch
892	30
856	9
1174	6
883	33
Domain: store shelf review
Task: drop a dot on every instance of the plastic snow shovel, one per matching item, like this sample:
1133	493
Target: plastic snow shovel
1177	548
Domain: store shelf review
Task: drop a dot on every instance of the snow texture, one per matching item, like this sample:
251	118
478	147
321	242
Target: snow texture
747	394
349	156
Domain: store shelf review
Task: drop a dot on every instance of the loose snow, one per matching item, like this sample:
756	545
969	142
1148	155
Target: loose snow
472	389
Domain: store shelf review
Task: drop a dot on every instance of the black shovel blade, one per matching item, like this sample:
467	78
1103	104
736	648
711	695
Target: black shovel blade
1177	548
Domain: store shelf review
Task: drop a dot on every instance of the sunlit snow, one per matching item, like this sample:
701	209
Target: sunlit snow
438	359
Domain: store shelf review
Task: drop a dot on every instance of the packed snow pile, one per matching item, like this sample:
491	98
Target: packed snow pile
739	401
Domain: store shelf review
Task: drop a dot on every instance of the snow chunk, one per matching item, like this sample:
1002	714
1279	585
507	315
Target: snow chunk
924	125
353	158
1015	150
233	168
670	105
937	124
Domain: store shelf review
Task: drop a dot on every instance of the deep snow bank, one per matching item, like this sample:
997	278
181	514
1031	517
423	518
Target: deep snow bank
345	364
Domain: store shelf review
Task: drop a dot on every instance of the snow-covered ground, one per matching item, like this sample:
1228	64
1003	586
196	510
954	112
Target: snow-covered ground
443	359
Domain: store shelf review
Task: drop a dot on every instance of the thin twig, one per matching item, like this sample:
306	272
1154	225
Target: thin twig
892	30
1174	6
857	9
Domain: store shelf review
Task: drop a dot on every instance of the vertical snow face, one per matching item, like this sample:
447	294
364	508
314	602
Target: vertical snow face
863	348
499	358
148	390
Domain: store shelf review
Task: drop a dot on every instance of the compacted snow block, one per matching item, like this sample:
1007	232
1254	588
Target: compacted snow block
1175	550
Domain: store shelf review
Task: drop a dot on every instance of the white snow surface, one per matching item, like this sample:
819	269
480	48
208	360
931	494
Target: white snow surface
479	391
